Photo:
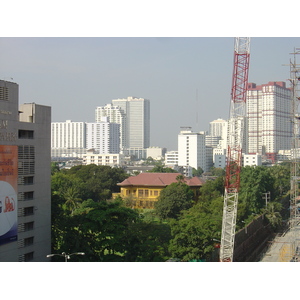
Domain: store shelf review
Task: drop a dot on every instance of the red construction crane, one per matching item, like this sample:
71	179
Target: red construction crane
235	141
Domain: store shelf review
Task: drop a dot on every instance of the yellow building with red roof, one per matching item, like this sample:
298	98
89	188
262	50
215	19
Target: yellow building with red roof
143	190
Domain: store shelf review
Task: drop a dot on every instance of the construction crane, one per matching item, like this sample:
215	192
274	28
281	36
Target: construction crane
234	149
295	176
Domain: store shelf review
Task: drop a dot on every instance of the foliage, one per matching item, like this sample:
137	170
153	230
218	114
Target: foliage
161	169
272	214
197	172
255	182
173	199
147	242
282	176
85	218
217	171
96	182
194	233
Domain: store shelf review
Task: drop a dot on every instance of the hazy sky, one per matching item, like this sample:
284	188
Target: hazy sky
187	80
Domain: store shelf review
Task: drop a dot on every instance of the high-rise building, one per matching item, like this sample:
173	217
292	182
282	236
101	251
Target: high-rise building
268	116
115	115
68	139
191	149
137	127
218	128
103	136
25	182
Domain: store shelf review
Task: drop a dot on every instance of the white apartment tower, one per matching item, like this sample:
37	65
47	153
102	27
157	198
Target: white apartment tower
191	149
68	138
25	178
218	127
103	136
115	115
268	114
137	127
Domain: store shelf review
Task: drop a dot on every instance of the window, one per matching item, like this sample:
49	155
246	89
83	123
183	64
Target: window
28	226
28	256
28	196
28	241
28	180
28	211
4	93
25	134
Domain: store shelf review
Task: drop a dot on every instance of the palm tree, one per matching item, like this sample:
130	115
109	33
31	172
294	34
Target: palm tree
71	198
272	214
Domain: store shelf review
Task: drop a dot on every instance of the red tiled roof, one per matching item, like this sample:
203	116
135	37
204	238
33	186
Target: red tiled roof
158	179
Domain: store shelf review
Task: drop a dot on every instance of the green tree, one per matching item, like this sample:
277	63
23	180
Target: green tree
272	214
161	169
254	182
173	199
71	197
194	234
197	172
147	242
282	176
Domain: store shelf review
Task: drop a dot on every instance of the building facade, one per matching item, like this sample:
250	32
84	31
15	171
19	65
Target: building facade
103	136
143	190
191	149
115	115
112	160
25	193
218	128
137	124
268	116
68	139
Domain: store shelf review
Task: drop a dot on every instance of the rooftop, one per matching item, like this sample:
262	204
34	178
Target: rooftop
159	179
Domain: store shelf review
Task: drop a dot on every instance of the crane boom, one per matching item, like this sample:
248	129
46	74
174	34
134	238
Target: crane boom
234	150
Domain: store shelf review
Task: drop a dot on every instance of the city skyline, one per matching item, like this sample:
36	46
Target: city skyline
187	80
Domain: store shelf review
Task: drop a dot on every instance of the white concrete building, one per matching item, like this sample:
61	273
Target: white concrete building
219	158
212	141
112	160
269	112
156	153
115	115
251	160
171	158
68	139
218	128
191	149
25	178
103	136
137	128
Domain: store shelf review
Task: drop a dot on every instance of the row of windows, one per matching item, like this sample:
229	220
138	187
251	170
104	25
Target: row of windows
143	192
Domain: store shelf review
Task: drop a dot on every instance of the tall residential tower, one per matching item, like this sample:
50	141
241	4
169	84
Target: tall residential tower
268	112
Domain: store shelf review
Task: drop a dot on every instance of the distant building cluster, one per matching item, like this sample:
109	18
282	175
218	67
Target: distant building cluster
122	129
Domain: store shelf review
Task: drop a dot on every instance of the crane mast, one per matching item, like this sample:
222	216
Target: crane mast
234	150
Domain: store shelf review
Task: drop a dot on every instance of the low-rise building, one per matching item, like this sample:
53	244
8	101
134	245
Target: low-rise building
143	190
108	159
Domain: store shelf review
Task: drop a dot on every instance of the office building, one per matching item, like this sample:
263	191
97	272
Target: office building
268	114
25	193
